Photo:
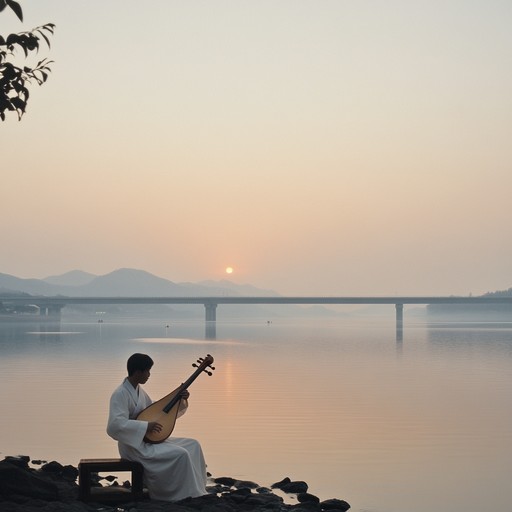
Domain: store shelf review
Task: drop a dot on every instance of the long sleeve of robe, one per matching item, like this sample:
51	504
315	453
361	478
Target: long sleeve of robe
174	469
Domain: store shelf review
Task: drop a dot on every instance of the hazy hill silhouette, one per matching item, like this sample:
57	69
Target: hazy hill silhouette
131	282
73	278
122	282
32	286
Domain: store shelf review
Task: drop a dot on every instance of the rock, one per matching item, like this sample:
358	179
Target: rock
305	497
20	460
334	504
238	495
242	491
245	483
264	500
53	467
235	499
217	489
278	485
306	507
19	499
295	487
15	480
225	480
69	473
201	503
9	506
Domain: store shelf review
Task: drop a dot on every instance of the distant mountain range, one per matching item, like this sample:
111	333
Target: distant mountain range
123	282
127	282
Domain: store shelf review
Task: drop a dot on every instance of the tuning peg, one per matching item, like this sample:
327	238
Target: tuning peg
209	373
212	367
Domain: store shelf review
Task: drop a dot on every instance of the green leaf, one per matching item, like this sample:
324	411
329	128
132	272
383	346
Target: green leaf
16	7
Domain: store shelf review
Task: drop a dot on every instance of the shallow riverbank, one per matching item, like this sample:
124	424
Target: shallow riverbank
40	486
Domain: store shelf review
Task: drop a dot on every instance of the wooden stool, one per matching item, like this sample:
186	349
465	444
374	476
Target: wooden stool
110	494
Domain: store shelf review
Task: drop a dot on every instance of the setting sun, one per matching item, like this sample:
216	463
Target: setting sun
229	270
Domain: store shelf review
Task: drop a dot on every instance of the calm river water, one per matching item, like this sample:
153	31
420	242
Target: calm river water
416	426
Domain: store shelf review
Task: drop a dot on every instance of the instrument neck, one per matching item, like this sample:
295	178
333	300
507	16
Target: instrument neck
176	398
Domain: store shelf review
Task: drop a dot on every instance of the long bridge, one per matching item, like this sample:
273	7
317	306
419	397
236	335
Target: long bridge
51	306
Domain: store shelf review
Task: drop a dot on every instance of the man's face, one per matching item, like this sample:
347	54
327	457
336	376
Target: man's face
142	376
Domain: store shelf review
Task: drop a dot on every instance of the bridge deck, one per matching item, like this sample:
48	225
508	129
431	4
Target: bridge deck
62	300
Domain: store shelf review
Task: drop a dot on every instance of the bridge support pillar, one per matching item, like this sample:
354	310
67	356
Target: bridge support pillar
210	320
54	311
210	311
399	322
50	311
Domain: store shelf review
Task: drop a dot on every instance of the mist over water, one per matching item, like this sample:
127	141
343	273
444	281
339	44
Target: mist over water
423	424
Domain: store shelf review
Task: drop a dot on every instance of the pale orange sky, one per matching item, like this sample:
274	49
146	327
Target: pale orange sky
334	147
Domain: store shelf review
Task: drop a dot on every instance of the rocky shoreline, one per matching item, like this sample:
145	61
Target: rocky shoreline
40	486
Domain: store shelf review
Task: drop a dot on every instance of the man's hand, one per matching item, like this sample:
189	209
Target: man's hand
154	426
184	394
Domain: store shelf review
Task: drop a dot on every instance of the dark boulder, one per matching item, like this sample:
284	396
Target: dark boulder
69	473
278	485
289	486
295	487
18	481
305	497
225	480
306	507
19	460
202	503
335	504
217	489
237	496
242	491
263	490
264	501
55	469
239	484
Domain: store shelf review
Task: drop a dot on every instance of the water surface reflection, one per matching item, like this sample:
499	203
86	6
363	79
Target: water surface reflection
329	403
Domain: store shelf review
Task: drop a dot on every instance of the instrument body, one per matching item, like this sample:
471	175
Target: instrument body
165	411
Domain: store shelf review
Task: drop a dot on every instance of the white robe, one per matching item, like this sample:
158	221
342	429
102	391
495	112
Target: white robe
174	469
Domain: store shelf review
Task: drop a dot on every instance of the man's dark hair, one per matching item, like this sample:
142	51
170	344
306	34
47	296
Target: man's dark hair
140	362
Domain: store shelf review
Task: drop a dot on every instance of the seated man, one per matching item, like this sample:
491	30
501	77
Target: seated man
173	469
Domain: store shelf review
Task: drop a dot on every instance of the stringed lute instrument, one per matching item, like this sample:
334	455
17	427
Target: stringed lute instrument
165	411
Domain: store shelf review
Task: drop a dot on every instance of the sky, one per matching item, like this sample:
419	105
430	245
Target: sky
332	147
